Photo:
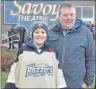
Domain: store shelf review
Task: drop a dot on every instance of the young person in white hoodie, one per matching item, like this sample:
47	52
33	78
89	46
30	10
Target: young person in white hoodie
36	65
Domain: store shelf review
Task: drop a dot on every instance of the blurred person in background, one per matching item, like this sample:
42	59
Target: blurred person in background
10	33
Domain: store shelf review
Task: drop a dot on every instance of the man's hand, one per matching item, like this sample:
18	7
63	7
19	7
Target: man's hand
84	85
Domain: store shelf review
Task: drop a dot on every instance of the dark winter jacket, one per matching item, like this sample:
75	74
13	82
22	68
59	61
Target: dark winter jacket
76	53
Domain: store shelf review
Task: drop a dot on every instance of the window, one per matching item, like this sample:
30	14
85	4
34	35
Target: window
87	12
78	12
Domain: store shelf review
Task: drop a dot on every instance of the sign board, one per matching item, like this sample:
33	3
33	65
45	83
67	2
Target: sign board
26	12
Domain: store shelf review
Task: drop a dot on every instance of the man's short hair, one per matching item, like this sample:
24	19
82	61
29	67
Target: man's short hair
66	5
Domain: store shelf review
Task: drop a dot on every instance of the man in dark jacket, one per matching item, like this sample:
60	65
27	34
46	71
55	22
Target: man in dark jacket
74	42
10	33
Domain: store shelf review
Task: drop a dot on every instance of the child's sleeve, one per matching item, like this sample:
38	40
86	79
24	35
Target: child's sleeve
10	83
13	76
61	83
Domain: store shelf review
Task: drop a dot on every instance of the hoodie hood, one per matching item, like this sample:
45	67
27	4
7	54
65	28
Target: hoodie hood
31	44
78	24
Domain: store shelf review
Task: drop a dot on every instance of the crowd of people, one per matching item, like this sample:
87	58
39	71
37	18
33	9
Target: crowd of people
61	56
91	27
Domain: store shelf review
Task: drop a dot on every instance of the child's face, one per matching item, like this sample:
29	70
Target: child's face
39	36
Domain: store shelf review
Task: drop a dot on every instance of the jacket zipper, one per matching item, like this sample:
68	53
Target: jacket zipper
63	53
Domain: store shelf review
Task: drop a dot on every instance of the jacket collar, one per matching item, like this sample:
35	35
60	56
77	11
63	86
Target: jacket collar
77	25
31	44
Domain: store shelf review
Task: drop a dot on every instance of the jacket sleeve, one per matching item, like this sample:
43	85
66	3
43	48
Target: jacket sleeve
10	83
60	80
89	60
13	76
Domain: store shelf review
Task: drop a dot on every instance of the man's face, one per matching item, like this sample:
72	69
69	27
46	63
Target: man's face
67	17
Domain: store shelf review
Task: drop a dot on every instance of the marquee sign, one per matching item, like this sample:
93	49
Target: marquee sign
26	12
